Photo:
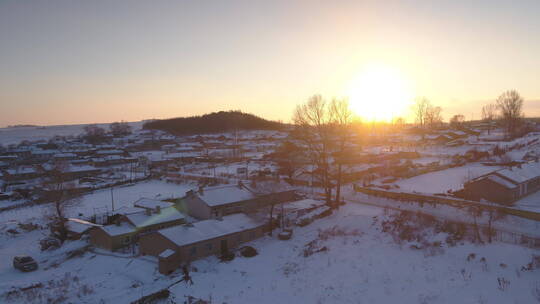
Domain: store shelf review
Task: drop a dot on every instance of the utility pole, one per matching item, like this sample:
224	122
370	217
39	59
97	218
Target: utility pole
112	199
247	170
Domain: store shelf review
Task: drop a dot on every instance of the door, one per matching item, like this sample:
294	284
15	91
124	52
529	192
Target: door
224	247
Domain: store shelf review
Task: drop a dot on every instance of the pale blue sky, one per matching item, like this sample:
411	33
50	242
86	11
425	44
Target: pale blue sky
101	61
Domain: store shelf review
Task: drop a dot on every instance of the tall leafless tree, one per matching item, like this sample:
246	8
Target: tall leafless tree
419	109
342	119
457	120
489	112
313	122
510	103
323	128
432	116
58	191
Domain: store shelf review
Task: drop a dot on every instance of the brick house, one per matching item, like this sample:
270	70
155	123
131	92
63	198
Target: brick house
504	186
128	227
215	202
183	244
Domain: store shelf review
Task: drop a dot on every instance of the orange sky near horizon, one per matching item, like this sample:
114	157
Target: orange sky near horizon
73	62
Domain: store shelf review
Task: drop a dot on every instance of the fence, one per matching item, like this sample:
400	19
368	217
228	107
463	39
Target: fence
454	202
500	235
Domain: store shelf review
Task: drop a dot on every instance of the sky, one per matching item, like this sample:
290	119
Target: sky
64	62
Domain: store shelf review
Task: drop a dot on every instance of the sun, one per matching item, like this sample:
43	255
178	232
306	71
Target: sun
379	93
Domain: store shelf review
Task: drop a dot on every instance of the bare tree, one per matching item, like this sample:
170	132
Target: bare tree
313	122
489	112
457	120
58	191
419	109
94	134
398	122
324	128
432	116
510	103
288	157
120	128
342	119
268	187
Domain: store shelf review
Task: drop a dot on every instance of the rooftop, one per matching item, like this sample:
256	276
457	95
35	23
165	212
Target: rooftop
521	173
223	195
209	229
141	219
149	203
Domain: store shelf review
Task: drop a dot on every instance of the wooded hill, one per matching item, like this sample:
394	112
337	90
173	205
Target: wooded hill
217	122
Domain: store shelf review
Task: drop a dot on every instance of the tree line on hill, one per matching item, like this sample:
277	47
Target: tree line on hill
215	122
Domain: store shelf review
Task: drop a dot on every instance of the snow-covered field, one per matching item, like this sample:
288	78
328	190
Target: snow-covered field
444	180
125	196
100	200
10	136
366	266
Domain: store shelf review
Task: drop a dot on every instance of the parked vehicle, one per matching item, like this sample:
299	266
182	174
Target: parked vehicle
25	263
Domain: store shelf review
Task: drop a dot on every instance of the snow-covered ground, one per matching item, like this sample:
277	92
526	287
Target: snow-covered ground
444	180
125	196
10	136
366	266
100	200
531	202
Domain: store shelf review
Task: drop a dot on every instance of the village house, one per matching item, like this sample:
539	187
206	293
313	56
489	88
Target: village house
215	202
504	186
178	245
129	226
21	173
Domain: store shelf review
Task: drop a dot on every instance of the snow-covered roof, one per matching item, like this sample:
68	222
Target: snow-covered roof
166	215
103	152
58	155
501	181
209	229
150	203
181	155
21	170
303	204
521	174
44	152
81	168
216	196
127	210
114	230
79	226
166	253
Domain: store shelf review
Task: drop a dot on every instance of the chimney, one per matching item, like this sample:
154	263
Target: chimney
158	209
148	212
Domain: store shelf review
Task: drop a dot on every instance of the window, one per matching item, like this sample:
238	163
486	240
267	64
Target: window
209	246
126	240
193	250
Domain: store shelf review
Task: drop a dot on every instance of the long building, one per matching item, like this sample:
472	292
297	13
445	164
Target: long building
504	186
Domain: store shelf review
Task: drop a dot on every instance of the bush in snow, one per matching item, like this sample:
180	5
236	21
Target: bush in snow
534	264
502	284
53	291
248	251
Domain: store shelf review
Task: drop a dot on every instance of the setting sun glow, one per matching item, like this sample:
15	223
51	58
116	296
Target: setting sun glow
379	93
